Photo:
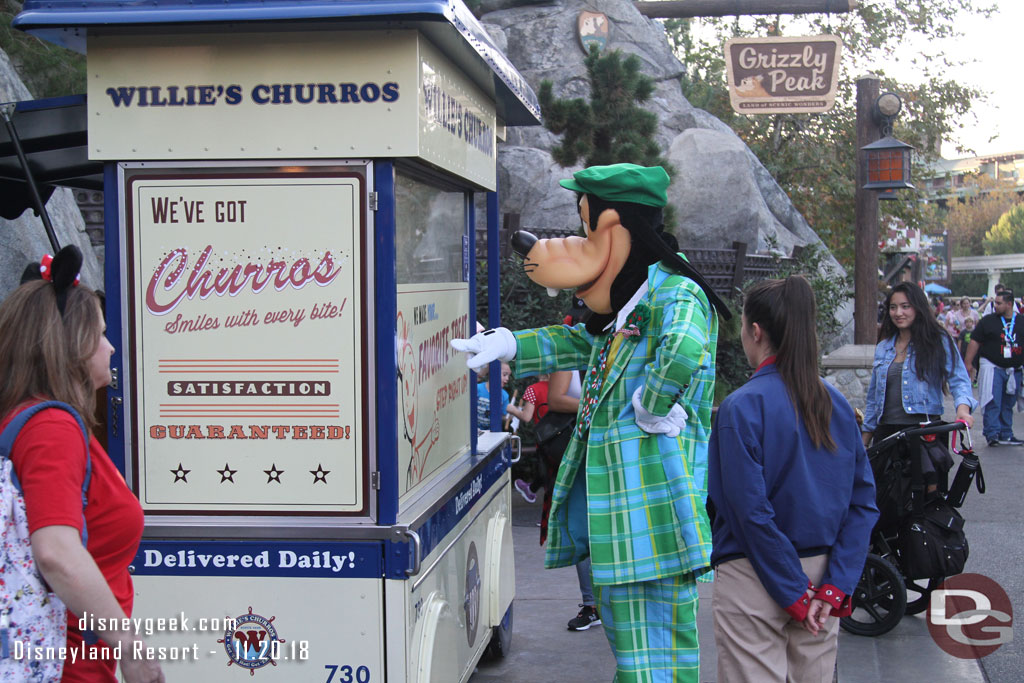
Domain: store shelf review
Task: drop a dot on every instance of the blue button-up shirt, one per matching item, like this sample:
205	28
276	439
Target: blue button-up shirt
919	397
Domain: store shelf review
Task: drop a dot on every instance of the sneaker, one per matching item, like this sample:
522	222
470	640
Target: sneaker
1012	441
585	619
524	490
993	442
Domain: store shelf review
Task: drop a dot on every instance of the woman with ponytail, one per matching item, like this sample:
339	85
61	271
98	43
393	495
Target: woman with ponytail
791	499
83	522
915	360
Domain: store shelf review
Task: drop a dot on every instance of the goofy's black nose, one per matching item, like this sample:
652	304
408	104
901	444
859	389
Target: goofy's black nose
522	242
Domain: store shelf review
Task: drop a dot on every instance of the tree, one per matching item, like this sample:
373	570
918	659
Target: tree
812	156
612	127
46	70
969	220
1007	235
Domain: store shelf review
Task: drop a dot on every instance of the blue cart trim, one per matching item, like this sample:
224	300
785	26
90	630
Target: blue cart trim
51	103
474	428
433	531
112	287
385	320
493	303
307	559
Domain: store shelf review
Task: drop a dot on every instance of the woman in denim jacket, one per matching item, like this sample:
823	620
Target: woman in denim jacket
915	361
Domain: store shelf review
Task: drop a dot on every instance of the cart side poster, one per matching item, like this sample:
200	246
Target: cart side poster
247	312
433	383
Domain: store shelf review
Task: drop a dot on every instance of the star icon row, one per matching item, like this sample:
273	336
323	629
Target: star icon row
228	475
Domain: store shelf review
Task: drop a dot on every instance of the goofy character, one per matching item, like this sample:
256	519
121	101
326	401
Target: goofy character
631	489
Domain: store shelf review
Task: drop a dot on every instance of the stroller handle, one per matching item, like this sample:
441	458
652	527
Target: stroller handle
937	429
915	431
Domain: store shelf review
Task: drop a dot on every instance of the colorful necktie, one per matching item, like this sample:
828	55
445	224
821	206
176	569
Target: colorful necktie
636	324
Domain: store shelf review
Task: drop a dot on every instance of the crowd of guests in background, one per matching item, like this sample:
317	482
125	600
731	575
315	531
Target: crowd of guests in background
990	338
959	321
960	318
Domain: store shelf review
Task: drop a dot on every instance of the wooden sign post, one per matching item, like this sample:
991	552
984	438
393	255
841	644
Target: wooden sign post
681	9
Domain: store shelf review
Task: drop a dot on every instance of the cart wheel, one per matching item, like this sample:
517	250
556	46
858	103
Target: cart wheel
879	600
501	638
919	593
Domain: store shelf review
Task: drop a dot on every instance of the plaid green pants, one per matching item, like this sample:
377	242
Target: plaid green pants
652	628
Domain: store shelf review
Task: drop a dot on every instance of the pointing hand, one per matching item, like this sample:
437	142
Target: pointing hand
485	347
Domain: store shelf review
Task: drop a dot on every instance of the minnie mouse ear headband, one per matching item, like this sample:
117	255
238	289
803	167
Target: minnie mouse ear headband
63	270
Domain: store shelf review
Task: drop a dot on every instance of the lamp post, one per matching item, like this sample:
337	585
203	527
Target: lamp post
883	165
865	266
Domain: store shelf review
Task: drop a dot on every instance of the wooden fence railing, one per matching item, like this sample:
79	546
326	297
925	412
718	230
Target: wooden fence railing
727	270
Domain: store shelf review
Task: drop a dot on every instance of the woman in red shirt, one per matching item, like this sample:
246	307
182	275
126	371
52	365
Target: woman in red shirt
52	347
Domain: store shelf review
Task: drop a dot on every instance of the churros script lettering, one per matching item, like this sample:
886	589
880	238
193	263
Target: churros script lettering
168	285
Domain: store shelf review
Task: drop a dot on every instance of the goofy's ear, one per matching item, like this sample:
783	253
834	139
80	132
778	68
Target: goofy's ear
595	209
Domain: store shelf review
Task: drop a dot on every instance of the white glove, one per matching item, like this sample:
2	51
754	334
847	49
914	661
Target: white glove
485	347
670	425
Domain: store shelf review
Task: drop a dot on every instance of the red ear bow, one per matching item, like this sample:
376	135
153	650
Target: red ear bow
45	267
46	270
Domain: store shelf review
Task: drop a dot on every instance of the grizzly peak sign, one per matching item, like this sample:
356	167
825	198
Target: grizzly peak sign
783	75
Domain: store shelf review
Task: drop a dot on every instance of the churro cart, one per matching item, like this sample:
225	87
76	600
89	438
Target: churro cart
290	206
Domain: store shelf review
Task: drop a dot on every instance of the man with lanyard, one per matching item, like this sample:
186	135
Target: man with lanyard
999	338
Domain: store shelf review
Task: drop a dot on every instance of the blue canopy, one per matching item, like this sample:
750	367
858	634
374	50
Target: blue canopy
936	288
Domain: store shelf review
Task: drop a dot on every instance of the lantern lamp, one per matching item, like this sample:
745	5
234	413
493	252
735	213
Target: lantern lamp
887	161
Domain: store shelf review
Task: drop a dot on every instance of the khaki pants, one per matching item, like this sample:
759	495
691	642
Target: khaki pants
757	640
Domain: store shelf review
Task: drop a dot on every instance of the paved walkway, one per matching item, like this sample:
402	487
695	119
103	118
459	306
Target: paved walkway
544	650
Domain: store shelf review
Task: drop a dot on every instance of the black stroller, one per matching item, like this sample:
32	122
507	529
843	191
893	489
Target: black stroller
917	515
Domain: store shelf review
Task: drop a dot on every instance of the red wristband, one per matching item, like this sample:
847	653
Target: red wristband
798	610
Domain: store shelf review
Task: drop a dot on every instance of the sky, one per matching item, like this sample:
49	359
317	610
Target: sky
994	45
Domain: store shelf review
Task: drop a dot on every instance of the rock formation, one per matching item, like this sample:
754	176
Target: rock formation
721	192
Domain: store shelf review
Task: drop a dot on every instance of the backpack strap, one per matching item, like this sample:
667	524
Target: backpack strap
10	433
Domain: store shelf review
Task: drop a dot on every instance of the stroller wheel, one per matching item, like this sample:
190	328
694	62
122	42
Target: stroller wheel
879	600
919	593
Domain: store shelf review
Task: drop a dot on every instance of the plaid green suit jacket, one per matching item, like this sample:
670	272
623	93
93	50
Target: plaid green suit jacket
645	493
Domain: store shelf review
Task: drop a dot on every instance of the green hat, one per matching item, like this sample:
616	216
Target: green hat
622	183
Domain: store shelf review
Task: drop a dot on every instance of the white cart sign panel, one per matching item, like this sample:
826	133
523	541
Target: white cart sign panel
252	96
221	629
307	95
457	123
433	391
247	308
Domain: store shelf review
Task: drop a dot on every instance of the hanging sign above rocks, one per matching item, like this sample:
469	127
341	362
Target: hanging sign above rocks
783	75
593	30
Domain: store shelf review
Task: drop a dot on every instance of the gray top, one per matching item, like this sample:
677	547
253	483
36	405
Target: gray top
893	412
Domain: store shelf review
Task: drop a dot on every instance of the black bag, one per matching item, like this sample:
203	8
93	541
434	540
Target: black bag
553	425
936	460
933	544
931	541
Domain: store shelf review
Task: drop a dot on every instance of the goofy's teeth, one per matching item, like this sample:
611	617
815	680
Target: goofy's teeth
552	292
